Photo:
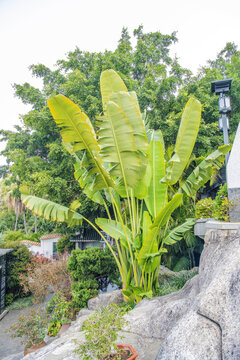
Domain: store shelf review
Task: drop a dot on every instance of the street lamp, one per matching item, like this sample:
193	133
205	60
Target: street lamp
222	87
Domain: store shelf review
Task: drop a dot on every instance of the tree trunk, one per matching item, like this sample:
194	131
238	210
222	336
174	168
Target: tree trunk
16	222
35	215
24	221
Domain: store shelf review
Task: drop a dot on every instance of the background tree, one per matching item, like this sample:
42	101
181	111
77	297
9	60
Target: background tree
34	152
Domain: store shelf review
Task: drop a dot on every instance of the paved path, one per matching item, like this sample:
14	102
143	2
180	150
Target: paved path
9	346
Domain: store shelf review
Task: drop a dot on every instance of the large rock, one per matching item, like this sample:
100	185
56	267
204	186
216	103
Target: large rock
105	299
210	329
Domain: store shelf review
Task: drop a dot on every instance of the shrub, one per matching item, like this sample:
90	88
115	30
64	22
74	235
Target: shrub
93	263
88	268
82	291
64	245
17	265
61	312
14	236
217	208
222	204
101	331
31	328
45	275
204	209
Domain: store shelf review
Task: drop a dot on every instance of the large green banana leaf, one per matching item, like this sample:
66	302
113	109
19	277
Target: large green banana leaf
132	111
114	228
149	243
177	233
186	138
77	130
87	182
52	211
203	172
116	231
110	83
157	192
163	216
118	145
76	127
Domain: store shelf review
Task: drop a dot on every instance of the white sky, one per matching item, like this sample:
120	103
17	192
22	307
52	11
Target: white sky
43	31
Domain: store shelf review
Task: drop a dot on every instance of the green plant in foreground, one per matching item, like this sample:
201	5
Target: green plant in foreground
101	331
31	327
125	164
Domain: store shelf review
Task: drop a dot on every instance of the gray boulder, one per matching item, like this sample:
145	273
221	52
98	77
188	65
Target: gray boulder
210	329
105	299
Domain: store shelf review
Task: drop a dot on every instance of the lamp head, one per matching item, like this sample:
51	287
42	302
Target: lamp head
221	86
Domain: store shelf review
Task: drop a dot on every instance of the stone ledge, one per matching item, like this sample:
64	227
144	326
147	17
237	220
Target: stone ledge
221	225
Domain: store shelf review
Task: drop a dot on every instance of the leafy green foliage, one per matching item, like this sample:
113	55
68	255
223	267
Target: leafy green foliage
116	160
92	264
204	209
101	331
217	208
18	261
82	291
64	244
60	312
174	283
20	303
88	268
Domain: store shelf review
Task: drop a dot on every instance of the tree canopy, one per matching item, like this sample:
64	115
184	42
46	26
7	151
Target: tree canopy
34	153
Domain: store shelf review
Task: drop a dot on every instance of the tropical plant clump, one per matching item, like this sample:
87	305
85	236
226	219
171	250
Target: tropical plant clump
101	331
126	164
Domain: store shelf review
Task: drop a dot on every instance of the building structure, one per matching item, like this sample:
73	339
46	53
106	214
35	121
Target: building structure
47	246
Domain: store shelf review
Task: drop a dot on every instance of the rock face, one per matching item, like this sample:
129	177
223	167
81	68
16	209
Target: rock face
210	329
202	320
199	322
105	299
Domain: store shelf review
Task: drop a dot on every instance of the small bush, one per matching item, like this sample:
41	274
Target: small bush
44	275
204	209
101	331
13	236
31	328
222	204
217	208
65	245
17	265
82	291
88	268
92	263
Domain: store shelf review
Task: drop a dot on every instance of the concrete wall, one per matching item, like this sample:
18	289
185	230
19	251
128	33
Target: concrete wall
233	178
47	246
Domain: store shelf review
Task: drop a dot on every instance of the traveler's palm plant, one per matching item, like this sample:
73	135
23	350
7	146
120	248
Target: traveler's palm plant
118	164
